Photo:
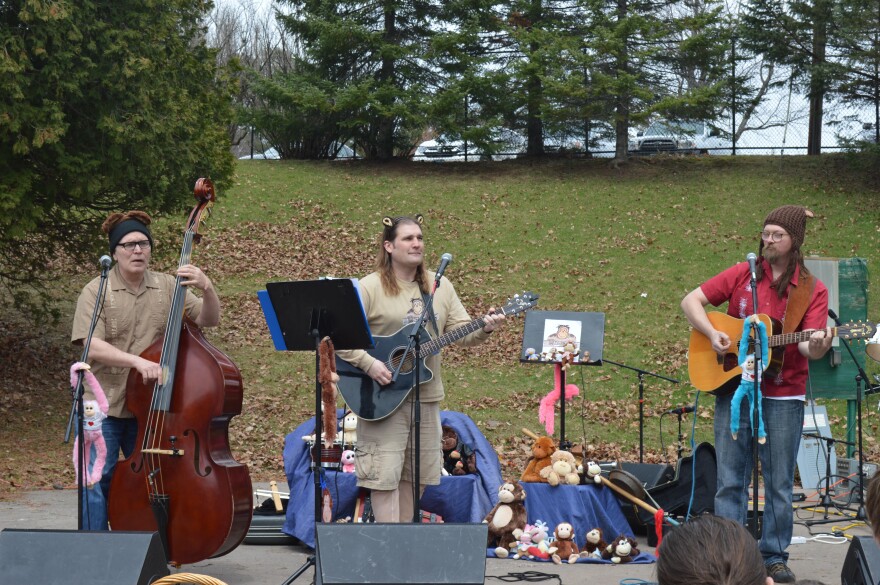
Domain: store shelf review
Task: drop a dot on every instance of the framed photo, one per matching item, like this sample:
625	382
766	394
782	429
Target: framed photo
552	336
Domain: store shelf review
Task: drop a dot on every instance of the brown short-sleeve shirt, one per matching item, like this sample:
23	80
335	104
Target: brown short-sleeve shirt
130	321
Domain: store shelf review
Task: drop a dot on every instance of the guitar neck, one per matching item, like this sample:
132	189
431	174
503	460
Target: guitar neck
442	341
796	337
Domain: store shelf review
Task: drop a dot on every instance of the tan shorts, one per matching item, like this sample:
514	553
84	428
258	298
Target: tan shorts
385	453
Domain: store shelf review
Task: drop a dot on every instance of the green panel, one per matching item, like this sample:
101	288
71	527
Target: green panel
852	288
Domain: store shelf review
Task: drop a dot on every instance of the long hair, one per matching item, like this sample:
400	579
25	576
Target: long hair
383	260
795	259
710	550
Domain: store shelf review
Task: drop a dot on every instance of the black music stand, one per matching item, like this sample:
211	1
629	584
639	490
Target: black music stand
545	333
299	315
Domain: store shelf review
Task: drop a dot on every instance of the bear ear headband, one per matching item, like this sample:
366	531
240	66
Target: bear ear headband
390	222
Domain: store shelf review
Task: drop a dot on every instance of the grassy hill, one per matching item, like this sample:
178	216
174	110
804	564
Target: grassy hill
627	242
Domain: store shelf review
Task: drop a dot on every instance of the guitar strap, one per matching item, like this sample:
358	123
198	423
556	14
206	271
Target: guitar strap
798	301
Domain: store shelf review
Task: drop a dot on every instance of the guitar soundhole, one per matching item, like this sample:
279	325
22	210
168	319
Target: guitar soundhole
731	361
408	361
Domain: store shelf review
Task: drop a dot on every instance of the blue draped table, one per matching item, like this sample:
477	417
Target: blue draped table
461	498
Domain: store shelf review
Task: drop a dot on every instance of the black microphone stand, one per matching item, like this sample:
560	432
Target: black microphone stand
642	374
77	412
826	501
861	515
756	396
415	347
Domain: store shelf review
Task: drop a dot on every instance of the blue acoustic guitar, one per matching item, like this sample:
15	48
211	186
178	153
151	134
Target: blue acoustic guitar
372	401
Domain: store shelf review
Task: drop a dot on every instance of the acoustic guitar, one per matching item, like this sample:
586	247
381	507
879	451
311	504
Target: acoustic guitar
372	401
720	375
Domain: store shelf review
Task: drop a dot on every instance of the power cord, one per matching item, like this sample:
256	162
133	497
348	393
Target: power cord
527	577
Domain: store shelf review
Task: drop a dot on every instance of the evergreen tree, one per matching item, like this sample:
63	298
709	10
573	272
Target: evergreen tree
106	105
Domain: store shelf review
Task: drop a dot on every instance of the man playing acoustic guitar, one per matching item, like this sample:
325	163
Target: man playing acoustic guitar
787	292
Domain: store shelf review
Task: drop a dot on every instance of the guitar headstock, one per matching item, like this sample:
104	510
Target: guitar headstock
857	330
520	303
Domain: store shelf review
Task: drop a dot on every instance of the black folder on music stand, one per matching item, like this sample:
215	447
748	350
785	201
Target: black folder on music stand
296	312
299	315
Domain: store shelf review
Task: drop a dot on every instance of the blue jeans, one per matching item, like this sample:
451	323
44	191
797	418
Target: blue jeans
119	433
784	421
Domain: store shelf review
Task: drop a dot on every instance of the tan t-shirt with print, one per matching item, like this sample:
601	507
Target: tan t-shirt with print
387	315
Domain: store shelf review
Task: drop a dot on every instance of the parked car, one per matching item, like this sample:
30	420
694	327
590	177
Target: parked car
268	154
680	138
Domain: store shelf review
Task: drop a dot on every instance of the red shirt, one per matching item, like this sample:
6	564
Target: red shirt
734	285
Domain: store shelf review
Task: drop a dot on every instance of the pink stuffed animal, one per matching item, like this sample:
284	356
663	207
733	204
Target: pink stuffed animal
95	411
547	408
348	461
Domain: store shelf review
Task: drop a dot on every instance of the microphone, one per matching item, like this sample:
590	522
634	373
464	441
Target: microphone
445	259
752	259
105	262
680	410
834	317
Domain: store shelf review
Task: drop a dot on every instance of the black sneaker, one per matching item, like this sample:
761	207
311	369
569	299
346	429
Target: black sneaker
780	573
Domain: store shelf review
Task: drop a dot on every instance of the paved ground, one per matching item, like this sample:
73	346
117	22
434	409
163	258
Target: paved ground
274	564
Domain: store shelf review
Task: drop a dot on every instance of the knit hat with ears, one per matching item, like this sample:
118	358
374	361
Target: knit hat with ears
793	218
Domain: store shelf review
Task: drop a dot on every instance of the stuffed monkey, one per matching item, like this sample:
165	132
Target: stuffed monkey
95	412
595	544
566	547
746	388
508	515
328	378
622	550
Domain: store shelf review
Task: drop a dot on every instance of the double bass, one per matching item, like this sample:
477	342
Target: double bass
182	480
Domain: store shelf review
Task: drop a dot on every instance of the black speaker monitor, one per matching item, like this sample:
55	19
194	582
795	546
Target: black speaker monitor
392	554
862	563
61	557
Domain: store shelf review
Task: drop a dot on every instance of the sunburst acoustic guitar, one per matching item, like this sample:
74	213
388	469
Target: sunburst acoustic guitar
720	375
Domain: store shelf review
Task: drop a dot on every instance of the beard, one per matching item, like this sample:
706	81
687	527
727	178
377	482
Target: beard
771	253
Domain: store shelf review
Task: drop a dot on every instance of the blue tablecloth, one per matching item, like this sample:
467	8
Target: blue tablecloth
461	498
584	507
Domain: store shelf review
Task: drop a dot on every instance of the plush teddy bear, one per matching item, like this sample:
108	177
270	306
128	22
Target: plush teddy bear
595	544
349	428
562	469
746	388
94	413
566	547
507	515
622	550
542	449
347	460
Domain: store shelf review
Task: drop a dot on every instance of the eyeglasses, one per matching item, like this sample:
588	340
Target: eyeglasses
129	246
774	236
